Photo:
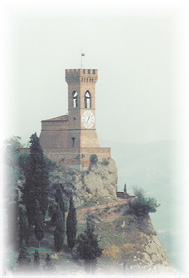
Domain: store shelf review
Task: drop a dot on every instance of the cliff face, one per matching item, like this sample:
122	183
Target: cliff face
130	243
99	181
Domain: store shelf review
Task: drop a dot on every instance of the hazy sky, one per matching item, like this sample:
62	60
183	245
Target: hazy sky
134	49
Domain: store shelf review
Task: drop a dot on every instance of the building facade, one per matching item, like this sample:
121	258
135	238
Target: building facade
71	139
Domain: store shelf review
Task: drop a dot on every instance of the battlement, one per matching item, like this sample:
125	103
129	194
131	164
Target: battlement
82	75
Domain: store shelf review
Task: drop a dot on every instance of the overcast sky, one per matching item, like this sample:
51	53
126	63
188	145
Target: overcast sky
136	52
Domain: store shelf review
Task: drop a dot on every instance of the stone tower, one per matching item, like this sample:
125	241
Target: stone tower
71	139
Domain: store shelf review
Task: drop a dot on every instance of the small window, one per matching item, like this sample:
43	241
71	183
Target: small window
75	99
89	71
93	71
84	71
73	141
87	100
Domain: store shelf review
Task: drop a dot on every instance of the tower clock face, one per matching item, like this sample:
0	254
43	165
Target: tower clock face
88	119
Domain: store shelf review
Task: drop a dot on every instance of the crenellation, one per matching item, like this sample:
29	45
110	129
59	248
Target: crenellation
81	74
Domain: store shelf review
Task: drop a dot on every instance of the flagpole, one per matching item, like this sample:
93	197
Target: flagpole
82	54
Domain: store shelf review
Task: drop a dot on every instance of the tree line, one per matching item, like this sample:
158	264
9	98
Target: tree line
34	205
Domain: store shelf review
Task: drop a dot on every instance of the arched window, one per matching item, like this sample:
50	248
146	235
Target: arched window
75	99
87	100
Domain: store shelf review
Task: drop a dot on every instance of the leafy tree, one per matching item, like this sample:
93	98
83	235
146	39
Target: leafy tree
36	181
12	206
142	205
59	230
12	147
71	224
10	190
87	245
23	257
23	227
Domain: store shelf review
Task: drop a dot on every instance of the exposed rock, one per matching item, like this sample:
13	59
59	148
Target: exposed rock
135	239
99	180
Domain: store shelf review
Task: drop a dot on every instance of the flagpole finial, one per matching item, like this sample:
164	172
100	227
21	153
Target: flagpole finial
82	55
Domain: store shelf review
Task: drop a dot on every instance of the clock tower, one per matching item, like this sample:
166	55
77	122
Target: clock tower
71	139
81	107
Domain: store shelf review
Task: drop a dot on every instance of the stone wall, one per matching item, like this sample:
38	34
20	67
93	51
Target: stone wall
78	158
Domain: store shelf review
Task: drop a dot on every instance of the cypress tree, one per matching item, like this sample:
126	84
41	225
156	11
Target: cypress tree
36	181
39	223
125	188
23	230
57	200
59	230
36	261
23	257
60	200
71	225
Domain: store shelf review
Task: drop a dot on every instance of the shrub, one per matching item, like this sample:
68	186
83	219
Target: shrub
128	247
93	159
112	252
105	162
88	245
142	205
49	264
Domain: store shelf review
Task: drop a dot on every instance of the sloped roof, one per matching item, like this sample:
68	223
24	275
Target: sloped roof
60	118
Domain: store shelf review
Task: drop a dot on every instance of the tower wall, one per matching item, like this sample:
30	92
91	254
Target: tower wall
65	140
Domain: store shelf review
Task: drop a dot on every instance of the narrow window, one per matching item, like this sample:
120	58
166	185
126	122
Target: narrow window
73	142
93	71
87	100
89	71
75	99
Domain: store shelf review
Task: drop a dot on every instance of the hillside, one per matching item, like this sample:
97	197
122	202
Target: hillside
131	241
130	244
154	167
126	239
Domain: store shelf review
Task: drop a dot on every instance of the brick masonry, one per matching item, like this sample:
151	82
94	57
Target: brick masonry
64	139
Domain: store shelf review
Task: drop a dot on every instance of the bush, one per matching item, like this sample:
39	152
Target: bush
142	205
128	247
88	245
93	159
112	252
105	162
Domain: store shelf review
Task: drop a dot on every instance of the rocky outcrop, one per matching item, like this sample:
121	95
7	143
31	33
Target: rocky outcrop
100	180
131	242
